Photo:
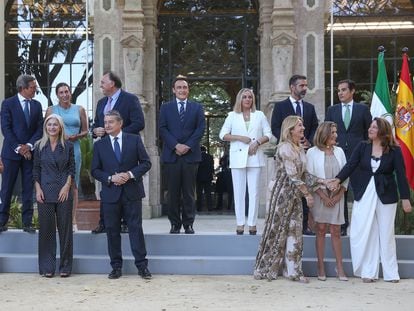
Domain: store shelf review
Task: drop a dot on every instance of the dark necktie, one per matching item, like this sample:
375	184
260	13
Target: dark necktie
182	111
298	110
117	149
26	111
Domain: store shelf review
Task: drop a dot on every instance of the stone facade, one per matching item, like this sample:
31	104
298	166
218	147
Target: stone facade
125	34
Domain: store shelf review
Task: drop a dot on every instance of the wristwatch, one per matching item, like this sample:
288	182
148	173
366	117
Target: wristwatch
109	179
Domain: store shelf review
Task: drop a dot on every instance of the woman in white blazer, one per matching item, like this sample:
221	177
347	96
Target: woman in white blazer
246	129
325	160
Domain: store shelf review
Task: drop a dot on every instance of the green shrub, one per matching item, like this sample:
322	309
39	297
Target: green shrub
15	217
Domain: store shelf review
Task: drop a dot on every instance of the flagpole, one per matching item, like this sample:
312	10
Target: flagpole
332	54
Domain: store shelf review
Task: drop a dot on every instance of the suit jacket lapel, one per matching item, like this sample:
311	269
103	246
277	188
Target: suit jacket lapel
118	101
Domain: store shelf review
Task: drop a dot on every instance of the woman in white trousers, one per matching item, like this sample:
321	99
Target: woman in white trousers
246	129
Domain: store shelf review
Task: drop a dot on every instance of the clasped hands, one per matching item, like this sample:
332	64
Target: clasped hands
120	178
181	149
253	145
25	151
332	184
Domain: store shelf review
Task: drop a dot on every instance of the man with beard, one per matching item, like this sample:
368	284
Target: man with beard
295	105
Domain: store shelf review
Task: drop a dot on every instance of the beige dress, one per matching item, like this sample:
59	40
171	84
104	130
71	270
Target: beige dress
282	240
321	213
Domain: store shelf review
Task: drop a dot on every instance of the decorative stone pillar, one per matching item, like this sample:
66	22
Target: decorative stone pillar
283	44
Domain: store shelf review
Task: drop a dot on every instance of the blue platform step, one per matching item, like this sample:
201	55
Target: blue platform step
202	253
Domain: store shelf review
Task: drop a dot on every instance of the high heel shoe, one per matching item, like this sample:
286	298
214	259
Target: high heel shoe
252	230
368	280
322	278
240	230
341	277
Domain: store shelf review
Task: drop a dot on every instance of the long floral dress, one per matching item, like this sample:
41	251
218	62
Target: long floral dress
282	236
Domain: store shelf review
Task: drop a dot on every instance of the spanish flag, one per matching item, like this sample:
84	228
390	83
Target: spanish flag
404	123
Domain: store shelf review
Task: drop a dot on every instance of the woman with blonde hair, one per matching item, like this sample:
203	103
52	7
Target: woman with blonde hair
282	239
53	173
246	129
325	160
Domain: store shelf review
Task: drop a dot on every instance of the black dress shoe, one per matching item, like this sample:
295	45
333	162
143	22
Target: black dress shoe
3	228
99	229
189	229
124	228
29	229
115	274
174	229
308	232
145	273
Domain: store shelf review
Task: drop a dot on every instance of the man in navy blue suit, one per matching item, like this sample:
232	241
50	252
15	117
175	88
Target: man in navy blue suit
295	105
352	127
21	124
182	126
119	162
128	106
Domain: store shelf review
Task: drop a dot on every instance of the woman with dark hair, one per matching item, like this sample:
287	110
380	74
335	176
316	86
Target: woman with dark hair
282	240
325	160
53	173
376	195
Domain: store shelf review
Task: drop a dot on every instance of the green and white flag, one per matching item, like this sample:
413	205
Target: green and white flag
381	100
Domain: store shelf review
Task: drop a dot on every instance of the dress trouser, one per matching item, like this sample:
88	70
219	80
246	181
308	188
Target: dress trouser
372	240
240	176
181	184
50	215
9	177
131	211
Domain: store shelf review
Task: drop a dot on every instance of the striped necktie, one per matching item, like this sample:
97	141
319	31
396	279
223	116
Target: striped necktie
108	106
182	111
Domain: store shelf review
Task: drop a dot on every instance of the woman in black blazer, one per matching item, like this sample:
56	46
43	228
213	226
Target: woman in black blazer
53	172
376	195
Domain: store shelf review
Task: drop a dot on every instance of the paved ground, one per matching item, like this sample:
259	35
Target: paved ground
172	292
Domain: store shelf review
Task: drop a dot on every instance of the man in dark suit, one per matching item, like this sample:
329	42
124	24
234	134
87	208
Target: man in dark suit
128	106
21	124
353	120
295	105
119	162
182	126
205	174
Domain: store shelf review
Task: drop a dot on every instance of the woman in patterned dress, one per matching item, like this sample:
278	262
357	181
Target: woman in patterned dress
282	239
53	172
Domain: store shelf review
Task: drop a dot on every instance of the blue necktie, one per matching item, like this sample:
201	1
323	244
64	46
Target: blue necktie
117	149
182	111
26	111
298	110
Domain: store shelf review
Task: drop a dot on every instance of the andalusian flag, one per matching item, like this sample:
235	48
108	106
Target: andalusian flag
404	115
381	100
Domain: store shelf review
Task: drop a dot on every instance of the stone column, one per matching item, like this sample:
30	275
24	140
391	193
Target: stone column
283	41
150	93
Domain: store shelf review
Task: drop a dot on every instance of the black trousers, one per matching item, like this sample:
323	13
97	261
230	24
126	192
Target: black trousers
131	211
50	216
9	177
181	184
204	189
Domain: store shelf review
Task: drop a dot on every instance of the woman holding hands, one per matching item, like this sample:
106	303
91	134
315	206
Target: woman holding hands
376	195
325	160
282	239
